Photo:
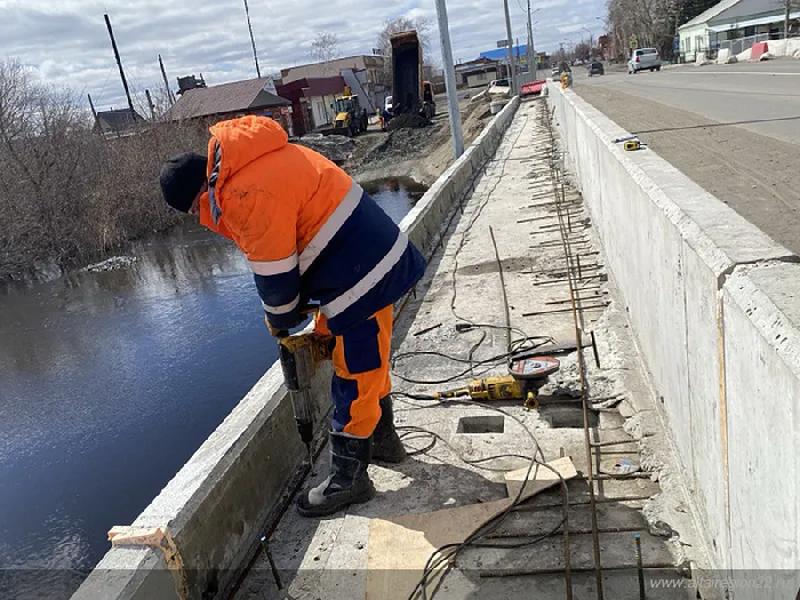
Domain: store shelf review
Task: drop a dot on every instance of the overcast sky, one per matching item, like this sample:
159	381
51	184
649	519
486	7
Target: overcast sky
65	42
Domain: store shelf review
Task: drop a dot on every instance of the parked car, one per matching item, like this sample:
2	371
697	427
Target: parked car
595	68
387	105
644	58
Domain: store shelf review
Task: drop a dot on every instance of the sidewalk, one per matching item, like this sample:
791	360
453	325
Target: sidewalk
515	198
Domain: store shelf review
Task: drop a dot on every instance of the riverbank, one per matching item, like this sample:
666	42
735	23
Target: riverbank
73	198
103	230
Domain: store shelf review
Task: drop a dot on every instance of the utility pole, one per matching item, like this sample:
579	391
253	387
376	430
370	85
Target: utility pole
450	80
252	39
150	104
119	63
91	105
787	7
512	75
170	95
532	62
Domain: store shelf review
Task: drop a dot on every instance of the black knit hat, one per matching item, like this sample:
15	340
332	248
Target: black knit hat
182	177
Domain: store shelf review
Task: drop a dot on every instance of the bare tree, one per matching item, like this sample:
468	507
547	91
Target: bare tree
650	23
325	47
582	51
74	195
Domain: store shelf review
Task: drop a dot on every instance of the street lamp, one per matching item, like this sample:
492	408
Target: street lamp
533	63
450	80
512	75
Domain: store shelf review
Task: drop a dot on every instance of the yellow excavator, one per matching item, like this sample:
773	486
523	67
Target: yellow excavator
350	119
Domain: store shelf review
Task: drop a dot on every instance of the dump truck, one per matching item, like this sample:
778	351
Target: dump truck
410	94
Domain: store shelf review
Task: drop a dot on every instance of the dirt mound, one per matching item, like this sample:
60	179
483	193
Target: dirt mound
407	121
421	153
336	148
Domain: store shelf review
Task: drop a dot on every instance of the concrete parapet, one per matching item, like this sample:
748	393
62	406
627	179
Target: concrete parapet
761	317
675	251
219	503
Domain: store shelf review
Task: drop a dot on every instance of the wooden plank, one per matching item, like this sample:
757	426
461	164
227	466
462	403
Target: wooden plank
540	478
399	547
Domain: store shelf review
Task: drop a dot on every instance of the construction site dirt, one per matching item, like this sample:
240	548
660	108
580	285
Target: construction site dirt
520	267
421	153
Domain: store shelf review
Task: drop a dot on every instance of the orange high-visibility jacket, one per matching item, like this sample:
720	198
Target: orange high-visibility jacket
309	232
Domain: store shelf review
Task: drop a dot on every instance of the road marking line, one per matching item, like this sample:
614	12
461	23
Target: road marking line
732	73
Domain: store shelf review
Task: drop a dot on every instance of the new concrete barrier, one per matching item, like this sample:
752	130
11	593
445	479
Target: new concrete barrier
218	504
715	305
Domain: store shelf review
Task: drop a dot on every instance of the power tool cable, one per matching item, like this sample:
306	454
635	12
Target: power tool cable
445	555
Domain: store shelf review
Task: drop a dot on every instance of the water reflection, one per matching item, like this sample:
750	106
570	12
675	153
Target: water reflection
395	195
109	382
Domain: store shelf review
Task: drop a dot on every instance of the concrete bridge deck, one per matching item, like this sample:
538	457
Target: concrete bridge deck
341	556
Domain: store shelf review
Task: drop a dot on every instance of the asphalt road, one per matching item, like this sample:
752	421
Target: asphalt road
733	129
761	97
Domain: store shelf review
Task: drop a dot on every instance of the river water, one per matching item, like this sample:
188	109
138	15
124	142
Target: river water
110	381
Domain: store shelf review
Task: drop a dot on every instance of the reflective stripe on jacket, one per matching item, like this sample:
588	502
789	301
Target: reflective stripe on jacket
309	232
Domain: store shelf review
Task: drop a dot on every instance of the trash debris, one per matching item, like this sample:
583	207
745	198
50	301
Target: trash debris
661	529
111	264
620	466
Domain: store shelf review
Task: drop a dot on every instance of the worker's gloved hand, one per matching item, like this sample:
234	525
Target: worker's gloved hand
273	331
291	320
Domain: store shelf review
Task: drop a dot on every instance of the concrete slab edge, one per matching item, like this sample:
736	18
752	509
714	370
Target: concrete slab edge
218	504
768	293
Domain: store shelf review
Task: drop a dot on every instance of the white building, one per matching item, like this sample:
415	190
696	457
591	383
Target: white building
735	24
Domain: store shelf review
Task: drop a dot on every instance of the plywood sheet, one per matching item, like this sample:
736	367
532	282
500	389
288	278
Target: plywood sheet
399	547
540	477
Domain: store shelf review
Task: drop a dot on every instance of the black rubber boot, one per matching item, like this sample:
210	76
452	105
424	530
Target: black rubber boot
348	482
386	444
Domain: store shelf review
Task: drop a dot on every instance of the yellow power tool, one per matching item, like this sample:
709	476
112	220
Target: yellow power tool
528	374
299	355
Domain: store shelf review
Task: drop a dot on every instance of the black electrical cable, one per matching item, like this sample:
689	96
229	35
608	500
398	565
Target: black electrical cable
446	554
490	362
409	429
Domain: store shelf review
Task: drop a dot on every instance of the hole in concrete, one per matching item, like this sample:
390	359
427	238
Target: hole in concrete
488	424
566	417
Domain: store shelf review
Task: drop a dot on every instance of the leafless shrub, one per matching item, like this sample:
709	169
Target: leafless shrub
70	195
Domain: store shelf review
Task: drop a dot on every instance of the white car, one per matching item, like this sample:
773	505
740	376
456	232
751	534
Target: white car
387	105
500	87
644	58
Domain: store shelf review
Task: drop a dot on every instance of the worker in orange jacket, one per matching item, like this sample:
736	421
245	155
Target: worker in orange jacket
311	234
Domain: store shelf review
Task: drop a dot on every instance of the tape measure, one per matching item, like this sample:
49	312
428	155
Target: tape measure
632	145
630	142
